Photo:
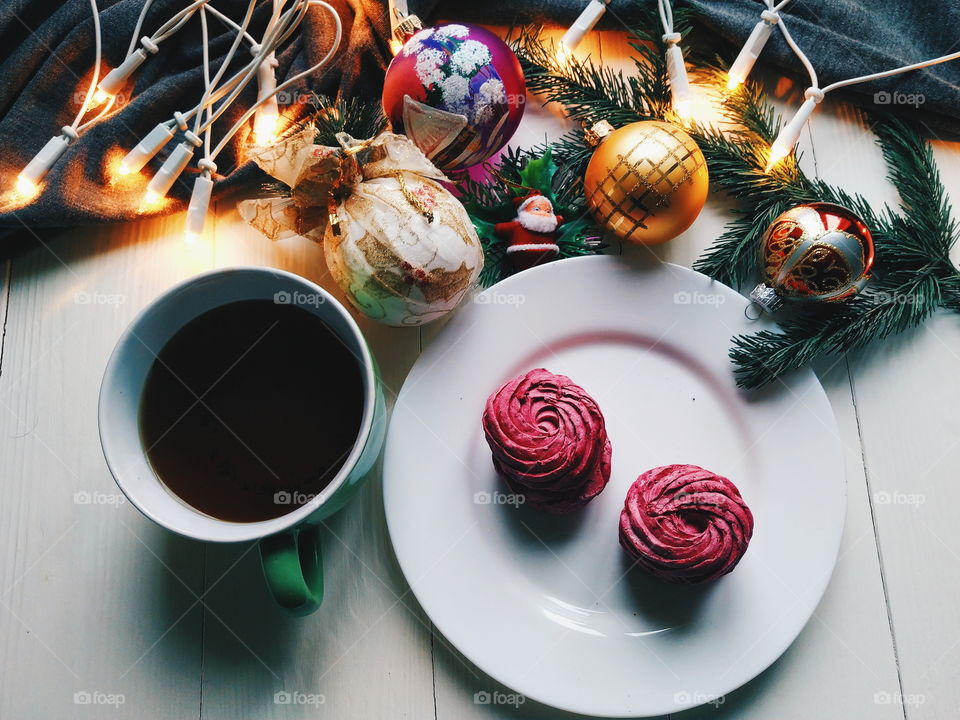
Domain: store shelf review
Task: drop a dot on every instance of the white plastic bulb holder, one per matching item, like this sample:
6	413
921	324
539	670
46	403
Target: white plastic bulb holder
749	53
168	173
584	23
268	113
679	82
199	203
115	79
146	149
41	163
790	133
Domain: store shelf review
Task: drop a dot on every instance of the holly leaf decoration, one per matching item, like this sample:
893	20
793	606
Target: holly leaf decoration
537	173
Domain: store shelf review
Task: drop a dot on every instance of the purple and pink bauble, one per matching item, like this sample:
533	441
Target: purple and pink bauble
457	91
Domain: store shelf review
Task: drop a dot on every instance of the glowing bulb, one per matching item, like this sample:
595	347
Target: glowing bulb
29	179
395	46
190	238
733	81
265	128
26	188
100	96
778	151
564	54
123	169
684	108
151	199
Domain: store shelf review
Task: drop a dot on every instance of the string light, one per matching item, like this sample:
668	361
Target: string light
27	185
168	173
789	134
676	67
267	118
203	186
200	200
584	23
747	58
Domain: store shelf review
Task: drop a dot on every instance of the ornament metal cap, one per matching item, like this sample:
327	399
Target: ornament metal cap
766	297
597	132
407	26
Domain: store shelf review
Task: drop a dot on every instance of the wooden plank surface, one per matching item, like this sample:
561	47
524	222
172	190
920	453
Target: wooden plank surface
96	599
907	398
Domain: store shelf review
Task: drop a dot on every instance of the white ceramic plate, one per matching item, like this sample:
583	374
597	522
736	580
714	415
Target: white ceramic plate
550	606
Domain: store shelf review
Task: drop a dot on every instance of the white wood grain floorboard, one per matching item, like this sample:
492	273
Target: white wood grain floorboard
907	399
95	598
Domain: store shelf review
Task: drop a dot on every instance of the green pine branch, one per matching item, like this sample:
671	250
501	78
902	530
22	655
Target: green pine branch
913	275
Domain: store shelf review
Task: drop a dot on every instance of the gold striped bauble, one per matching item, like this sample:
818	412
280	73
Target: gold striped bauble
646	182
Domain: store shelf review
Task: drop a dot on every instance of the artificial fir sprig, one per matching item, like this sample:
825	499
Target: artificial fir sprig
912	276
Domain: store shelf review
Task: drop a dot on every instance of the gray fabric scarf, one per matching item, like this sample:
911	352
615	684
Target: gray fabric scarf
46	53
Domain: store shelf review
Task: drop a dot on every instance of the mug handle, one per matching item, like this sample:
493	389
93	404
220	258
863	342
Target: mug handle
293	566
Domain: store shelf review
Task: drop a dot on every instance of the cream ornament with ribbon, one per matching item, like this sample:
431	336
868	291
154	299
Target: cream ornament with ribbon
399	244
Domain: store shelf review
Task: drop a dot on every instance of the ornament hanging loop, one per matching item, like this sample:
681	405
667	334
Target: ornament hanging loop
500	177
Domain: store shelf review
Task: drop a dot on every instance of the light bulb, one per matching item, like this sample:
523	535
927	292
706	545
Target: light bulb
168	173
190	238
268	112
26	189
115	79
778	151
395	46
28	181
734	81
151	199
100	97
123	169
684	108
265	125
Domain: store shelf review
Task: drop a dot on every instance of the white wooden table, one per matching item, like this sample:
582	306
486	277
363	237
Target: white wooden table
105	615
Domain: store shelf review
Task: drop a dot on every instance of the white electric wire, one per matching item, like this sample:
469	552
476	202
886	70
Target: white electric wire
139	26
775	8
297	15
230	23
895	71
666	15
338	35
811	71
228	58
206	71
808	66
85	106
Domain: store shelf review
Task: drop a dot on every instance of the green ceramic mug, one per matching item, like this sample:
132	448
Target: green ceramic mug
289	544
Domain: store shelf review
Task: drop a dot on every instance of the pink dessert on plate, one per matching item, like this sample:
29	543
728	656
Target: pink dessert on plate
685	524
549	440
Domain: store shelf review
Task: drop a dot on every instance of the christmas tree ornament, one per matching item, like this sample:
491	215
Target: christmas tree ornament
457	91
646	182
399	245
520	215
817	252
532	234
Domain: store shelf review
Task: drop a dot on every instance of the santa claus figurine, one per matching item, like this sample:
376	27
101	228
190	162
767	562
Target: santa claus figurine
532	235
